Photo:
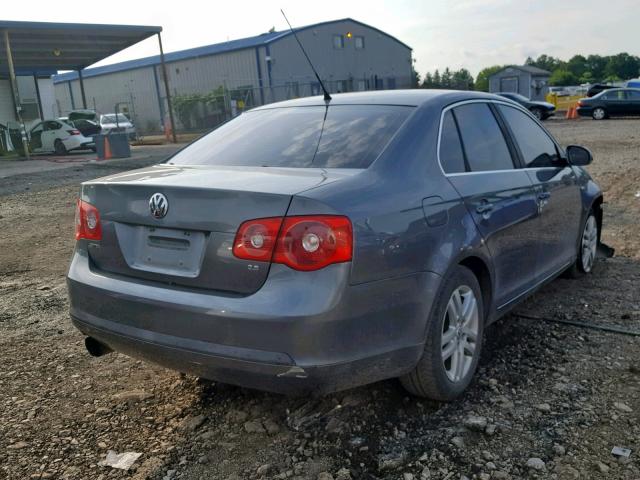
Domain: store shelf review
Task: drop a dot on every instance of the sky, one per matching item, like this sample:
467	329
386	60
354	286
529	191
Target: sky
465	33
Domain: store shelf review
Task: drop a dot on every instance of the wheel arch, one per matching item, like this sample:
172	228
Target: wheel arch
481	270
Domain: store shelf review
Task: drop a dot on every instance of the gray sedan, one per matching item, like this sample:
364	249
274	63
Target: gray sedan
312	246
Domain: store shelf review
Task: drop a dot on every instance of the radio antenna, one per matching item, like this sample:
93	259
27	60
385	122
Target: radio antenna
327	97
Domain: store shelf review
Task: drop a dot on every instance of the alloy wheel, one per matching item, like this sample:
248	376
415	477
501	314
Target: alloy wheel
599	113
460	327
589	243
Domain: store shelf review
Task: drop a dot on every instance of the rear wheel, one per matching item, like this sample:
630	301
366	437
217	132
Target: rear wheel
538	113
599	113
453	341
587	249
59	147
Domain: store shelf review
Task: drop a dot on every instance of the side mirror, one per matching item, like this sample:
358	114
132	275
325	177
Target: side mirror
579	156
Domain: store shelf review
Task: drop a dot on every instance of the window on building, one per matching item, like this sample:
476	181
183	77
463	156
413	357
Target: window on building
484	144
338	41
538	150
451	156
359	43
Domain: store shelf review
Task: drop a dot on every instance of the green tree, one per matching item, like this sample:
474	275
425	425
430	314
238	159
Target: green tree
462	80
623	66
577	65
482	80
562	77
546	62
596	65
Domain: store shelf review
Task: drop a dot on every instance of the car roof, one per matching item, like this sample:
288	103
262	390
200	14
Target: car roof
413	98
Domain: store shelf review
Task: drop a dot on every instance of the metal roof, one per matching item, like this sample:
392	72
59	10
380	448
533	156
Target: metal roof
216	48
525	68
43	48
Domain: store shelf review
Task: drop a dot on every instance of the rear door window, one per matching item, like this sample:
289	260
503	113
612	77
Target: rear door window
536	147
340	136
451	155
483	141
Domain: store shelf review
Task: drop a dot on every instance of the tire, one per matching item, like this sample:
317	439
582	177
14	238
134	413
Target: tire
59	147
538	113
588	246
599	113
434	376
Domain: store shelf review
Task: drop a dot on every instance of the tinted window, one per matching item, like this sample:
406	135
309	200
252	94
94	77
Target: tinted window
538	150
348	136
614	95
451	156
483	142
633	95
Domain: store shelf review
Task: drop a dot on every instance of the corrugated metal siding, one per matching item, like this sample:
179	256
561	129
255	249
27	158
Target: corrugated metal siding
382	58
134	88
48	98
204	74
7	113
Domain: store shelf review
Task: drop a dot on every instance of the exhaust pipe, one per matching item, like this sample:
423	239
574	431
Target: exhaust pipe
95	348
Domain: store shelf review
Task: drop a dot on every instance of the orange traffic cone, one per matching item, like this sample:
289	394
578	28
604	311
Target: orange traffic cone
568	114
107	148
574	113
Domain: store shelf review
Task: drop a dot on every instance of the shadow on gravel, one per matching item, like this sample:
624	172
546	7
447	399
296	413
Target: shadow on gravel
378	430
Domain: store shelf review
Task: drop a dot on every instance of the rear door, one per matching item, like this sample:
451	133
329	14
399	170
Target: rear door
633	102
615	102
557	191
499	197
49	135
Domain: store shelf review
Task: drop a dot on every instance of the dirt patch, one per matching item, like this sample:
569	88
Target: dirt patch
550	400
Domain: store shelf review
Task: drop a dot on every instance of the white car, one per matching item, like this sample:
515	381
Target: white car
112	123
58	137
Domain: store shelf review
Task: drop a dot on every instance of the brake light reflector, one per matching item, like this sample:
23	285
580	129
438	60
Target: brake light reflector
87	221
256	238
313	242
309	242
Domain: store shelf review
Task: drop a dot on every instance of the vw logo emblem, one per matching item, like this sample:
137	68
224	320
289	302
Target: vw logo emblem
158	205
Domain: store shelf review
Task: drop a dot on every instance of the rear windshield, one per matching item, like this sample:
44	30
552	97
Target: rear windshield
340	136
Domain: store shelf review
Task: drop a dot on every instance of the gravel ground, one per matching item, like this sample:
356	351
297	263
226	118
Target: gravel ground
550	400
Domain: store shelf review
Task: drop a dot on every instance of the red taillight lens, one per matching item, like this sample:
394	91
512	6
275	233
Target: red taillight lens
87	222
301	242
73	132
580	103
313	242
256	238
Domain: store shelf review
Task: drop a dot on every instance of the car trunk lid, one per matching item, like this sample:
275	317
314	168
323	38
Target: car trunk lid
191	245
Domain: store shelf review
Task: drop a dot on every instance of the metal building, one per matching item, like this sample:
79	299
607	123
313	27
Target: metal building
532	82
212	82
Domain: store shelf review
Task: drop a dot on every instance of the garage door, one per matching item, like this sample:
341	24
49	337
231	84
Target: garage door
509	84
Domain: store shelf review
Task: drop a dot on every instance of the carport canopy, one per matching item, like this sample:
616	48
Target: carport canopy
43	48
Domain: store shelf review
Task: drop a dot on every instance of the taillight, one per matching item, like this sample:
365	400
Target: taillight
301	242
256	238
73	132
580	103
87	222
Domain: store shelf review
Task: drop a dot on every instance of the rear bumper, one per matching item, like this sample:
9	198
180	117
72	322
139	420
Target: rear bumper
315	335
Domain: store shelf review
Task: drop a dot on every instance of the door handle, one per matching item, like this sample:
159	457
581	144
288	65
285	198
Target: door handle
484	207
544	195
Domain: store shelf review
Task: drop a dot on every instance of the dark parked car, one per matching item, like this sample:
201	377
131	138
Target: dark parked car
611	103
597	88
541	110
316	246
